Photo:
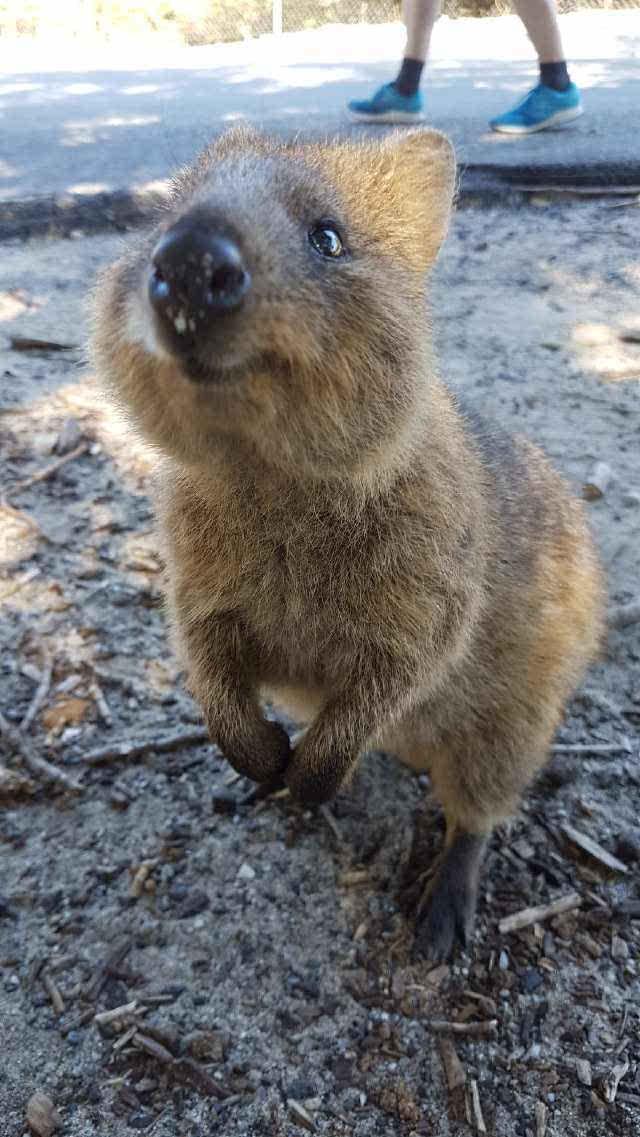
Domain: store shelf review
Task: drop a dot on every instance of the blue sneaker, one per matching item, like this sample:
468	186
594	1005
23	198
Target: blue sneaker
388	105
541	108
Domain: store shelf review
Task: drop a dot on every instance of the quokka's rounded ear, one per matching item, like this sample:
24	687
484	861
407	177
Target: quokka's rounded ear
423	170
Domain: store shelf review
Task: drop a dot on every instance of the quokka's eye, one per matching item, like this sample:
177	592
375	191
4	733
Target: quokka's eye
326	240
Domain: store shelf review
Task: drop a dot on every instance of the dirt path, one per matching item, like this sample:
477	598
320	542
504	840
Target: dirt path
265	949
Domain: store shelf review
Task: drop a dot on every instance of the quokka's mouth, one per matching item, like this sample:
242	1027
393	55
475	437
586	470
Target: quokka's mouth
213	374
265	364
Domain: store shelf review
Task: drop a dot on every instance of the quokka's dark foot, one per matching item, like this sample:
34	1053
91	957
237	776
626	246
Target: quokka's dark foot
447	912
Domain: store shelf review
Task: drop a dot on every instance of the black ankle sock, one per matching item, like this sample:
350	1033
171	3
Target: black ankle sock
555	75
409	75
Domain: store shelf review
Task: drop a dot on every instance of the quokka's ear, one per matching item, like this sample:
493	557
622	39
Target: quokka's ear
399	191
423	179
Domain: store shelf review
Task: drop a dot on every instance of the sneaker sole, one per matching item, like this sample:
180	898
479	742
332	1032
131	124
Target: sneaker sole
557	119
387	116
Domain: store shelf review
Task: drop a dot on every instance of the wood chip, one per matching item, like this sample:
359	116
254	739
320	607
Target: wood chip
124	1039
53	991
437	975
299	1115
596	484
619	948
583	1071
528	916
105	969
588	845
478	1030
62	963
541	1119
353	877
150	1046
75	1021
452	1065
487	1004
478	1119
13	784
41	1114
36	765
195	1075
140	877
624	615
134	748
613	1079
115	1013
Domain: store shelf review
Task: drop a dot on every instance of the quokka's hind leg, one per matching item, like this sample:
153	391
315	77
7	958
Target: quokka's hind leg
447	910
479	783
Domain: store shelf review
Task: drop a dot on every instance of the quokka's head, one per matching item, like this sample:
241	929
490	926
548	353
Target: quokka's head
278	308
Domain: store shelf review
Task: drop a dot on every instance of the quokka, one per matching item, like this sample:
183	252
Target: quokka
341	534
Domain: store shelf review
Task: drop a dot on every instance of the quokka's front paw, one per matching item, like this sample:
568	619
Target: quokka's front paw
262	754
312	785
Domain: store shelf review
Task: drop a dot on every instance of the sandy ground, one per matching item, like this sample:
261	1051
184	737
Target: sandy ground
263	954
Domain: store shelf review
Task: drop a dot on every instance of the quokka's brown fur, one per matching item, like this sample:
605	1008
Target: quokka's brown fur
340	533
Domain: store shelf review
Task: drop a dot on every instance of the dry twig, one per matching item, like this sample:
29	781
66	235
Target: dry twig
38	766
478	1119
588	845
51	469
332	824
106	968
28	343
528	916
97	694
452	1065
478	1030
53	991
152	1047
592	748
134	748
41	693
613	1079
121	1012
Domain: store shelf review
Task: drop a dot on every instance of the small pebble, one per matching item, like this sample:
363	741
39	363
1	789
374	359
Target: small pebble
140	1120
503	961
193	903
245	872
619	948
42	1118
224	802
530	981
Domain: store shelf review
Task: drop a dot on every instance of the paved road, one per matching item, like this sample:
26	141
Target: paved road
114	119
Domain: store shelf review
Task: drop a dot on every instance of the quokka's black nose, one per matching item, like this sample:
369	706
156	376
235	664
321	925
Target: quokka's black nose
195	275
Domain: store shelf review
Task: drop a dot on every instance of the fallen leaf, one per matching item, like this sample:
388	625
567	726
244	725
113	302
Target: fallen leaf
65	712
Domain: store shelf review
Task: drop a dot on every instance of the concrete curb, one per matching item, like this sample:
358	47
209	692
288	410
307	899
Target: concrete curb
479	185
